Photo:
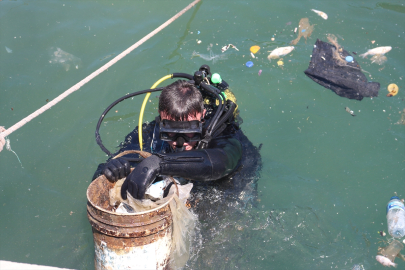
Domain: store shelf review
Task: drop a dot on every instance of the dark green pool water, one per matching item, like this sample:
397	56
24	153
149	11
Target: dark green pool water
326	175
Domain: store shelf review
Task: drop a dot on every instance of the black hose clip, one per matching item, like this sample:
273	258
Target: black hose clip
198	77
204	142
206	70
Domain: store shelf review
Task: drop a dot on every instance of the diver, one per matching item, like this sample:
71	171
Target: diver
195	137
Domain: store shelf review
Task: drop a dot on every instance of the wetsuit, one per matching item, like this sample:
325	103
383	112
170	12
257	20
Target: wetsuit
219	159
217	203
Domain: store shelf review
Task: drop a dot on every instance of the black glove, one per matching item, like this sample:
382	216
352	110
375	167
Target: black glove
116	169
141	178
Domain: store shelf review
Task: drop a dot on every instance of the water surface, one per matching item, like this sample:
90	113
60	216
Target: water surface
326	175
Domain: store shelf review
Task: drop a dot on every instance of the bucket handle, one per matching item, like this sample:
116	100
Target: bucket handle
145	154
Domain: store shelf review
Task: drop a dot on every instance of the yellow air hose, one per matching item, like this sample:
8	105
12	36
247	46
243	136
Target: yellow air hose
144	105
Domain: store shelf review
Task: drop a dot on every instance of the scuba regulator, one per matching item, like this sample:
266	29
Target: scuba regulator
219	103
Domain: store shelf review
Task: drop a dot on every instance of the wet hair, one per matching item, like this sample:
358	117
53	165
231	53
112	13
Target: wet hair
180	100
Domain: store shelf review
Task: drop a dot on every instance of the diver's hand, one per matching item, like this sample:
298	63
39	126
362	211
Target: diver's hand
117	169
141	178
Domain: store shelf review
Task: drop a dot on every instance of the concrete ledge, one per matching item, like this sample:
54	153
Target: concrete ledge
6	265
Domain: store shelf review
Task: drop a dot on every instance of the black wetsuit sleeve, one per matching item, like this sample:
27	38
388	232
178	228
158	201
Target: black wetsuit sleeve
219	160
130	143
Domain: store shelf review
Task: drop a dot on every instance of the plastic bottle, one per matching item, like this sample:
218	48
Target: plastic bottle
396	217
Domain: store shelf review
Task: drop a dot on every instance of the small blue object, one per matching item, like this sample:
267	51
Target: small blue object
198	32
349	58
303	30
249	64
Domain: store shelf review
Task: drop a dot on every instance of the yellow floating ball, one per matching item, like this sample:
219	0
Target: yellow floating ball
392	89
254	49
280	63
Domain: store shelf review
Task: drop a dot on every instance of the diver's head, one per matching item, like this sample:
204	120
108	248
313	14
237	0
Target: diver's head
181	102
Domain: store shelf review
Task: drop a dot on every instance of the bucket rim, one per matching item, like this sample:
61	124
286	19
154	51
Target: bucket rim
124	214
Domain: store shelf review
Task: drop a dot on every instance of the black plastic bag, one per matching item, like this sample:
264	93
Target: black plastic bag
346	80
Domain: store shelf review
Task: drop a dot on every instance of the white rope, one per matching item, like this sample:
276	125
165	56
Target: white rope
77	86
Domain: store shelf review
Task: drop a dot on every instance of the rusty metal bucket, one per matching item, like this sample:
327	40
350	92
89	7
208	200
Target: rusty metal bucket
127	241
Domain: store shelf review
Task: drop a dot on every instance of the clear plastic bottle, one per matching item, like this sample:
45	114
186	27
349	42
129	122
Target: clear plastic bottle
396	217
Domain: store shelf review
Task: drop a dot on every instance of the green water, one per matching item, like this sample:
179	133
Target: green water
326	175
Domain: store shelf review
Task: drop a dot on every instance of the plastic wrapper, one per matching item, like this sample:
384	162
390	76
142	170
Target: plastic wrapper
183	218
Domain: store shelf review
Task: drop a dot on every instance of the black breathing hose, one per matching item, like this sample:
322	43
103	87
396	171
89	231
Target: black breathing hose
214	126
220	108
98	139
225	117
183	75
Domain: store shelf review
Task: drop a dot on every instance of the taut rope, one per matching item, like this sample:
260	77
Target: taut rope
4	133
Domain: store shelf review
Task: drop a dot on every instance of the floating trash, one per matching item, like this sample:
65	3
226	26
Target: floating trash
358	267
63	58
385	261
349	111
401	122
304	30
211	57
280	62
9	50
340	60
259	73
321	13
277	53
249	64
392	89
378	59
224	48
254	49
391	251
349	58
329	68
379	50
8	147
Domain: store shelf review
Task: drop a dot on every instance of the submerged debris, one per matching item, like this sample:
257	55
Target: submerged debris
349	111
341	61
378	54
304	30
358	267
211	57
226	47
378	59
277	53
392	89
254	49
321	13
377	51
63	58
385	261
401	121
345	80
8	147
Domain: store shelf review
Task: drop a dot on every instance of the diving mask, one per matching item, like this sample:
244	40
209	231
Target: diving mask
189	131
